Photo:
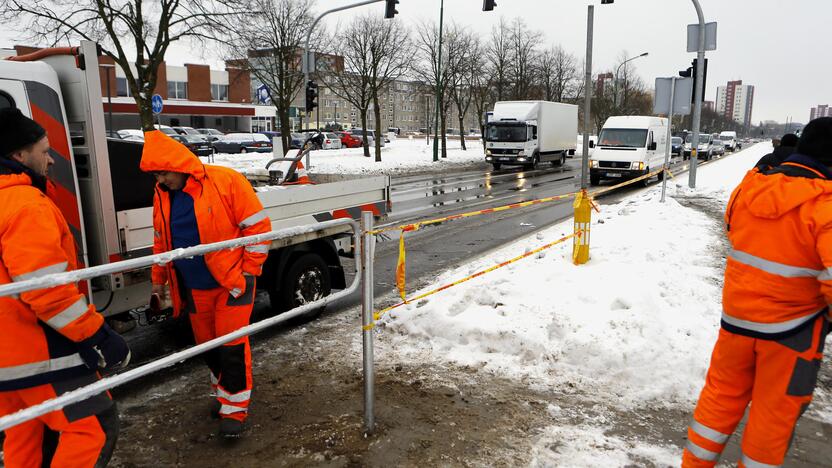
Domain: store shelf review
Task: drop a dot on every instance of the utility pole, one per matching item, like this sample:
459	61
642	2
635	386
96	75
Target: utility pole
439	90
590	19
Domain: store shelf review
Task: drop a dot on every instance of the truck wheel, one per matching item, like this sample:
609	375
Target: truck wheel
243	150
496	166
644	182
306	280
594	180
560	162
533	165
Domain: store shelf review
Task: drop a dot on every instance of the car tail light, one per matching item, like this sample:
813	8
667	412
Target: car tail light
328	142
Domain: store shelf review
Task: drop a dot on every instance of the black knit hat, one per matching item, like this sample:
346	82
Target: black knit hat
17	131
789	139
816	140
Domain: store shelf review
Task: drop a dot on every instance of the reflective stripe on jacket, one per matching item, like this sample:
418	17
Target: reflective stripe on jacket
225	205
779	272
39	330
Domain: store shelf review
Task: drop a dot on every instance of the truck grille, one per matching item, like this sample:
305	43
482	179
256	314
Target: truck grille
503	151
614	164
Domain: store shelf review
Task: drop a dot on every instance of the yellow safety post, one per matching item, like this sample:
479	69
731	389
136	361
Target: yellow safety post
583	216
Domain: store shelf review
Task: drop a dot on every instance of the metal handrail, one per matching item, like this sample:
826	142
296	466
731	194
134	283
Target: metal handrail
108	383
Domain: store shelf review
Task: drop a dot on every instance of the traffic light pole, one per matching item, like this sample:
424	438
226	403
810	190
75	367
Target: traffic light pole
698	94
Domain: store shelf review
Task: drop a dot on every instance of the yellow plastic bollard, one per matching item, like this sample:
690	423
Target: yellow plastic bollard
583	217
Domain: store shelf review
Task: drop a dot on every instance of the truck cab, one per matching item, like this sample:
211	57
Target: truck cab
511	142
628	147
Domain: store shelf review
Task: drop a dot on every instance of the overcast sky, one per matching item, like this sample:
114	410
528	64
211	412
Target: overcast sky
782	47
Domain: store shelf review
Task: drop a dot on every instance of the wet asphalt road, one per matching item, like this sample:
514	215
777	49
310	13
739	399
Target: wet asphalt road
433	249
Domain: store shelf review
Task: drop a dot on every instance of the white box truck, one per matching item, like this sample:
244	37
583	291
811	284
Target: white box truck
628	147
729	139
530	132
107	200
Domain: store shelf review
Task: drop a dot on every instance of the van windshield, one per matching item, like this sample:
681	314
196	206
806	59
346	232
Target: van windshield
623	137
506	133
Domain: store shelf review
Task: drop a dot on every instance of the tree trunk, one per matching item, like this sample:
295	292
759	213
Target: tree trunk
285	130
145	113
364	141
444	131
462	133
377	114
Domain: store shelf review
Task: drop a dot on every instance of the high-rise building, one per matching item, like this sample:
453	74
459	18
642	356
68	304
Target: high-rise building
735	101
820	111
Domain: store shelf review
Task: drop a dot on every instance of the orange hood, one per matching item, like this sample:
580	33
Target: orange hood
163	153
772	196
12	180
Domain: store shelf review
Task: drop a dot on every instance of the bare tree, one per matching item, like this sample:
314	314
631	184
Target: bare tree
131	32
558	74
479	83
353	84
428	69
390	56
499	57
523	44
459	49
272	41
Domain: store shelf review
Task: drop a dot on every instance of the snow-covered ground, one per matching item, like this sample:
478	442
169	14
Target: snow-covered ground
634	327
400	156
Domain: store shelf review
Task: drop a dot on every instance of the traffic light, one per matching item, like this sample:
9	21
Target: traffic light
390	9
311	95
606	2
691	73
488	5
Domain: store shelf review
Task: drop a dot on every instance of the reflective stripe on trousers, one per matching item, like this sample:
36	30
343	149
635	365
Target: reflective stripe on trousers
776	327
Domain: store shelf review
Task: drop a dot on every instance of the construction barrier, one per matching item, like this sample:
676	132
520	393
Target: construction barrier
116	380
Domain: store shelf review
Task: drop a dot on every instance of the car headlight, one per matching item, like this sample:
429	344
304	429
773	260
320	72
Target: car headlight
593	163
488	152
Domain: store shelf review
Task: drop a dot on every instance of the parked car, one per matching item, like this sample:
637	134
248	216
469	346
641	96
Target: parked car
676	146
243	143
297	140
705	150
718	147
331	141
166	130
348	140
212	134
370	134
189	131
197	144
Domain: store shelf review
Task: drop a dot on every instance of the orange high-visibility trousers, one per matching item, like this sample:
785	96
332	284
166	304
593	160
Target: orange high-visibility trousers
80	435
776	377
215	313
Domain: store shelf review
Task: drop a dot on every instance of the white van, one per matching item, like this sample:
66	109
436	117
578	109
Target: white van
729	139
628	146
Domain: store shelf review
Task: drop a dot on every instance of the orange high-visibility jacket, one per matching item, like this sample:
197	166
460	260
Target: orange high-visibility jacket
225	205
779	272
39	330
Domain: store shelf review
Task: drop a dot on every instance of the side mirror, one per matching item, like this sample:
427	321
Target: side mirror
591	144
652	146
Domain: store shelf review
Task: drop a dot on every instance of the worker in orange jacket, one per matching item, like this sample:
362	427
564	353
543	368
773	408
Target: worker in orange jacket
196	204
778	287
51	340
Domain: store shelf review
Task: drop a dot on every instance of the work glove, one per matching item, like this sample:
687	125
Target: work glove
105	350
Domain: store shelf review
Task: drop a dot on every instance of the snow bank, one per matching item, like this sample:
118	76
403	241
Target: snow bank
399	156
635	325
588	446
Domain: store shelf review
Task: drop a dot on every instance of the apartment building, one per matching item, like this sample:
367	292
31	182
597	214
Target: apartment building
735	101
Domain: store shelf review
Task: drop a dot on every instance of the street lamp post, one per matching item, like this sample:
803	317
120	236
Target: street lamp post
438	88
615	85
698	93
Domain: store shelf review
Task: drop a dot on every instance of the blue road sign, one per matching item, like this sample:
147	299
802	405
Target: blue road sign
156	104
263	94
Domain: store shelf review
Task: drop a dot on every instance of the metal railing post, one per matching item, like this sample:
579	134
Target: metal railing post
367	319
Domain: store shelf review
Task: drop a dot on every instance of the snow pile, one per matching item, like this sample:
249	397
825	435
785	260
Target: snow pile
588	446
635	325
399	156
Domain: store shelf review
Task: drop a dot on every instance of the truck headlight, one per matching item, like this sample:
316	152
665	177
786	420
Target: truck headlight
639	166
488	152
521	153
593	163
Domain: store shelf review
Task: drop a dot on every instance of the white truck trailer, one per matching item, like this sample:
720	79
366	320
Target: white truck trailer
531	132
107	200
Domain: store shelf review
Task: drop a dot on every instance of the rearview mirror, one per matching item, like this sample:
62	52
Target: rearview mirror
591	144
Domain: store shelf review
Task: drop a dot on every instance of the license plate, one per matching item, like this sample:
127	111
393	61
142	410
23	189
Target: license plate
613	174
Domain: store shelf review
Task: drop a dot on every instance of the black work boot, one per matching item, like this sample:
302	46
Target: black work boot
231	428
215	409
